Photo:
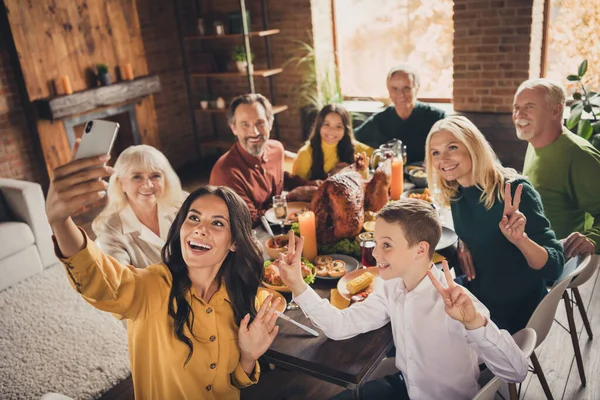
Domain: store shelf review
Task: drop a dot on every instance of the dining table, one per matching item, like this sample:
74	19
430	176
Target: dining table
346	363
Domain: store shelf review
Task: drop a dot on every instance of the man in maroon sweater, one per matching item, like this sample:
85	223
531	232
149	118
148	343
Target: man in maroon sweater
253	167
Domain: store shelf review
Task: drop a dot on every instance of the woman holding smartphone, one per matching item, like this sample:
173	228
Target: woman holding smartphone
144	196
189	331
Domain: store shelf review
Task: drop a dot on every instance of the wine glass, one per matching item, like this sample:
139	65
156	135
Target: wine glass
281	210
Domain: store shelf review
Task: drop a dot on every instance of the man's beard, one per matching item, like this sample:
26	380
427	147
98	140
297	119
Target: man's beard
255	149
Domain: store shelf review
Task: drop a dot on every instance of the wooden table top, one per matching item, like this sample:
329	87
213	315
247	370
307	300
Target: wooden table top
344	362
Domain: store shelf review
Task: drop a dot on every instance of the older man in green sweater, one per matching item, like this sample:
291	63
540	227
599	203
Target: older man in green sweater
563	167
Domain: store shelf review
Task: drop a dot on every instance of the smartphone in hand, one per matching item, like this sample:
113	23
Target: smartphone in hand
97	139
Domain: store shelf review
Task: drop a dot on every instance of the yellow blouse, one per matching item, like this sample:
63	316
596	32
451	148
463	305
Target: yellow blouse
303	161
141	296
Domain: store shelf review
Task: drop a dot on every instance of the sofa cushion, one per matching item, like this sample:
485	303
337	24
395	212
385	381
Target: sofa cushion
14	236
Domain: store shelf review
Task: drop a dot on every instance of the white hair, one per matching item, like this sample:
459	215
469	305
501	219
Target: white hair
408	70
555	93
145	158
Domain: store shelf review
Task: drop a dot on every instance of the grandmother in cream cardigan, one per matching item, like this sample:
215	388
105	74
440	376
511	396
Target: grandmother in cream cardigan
144	196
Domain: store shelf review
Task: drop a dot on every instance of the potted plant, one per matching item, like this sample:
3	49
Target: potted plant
584	101
239	56
320	85
102	74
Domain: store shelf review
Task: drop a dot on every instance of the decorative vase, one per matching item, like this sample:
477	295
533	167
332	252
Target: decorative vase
104	79
204	104
241	65
220	103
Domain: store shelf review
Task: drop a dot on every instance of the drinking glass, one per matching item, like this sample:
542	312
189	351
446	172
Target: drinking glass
281	210
366	253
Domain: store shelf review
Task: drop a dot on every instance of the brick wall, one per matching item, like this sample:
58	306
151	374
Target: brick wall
492	42
163	54
17	147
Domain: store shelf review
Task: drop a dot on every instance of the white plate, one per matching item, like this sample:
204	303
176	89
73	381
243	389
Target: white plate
351	265
293	207
449	237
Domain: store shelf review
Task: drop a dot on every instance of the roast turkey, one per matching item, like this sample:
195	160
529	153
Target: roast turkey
340	203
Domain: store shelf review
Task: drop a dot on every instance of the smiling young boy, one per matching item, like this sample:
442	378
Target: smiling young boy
441	333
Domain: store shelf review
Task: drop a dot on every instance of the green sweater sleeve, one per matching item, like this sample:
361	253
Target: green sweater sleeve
538	229
585	186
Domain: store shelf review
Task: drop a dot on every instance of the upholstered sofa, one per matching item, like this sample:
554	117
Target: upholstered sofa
25	236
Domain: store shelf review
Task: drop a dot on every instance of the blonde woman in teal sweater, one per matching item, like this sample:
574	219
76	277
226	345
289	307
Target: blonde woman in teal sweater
509	251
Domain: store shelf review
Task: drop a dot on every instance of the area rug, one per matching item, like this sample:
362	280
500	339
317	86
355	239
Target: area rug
51	340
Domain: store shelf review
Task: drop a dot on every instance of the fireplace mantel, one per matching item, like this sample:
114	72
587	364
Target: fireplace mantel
60	107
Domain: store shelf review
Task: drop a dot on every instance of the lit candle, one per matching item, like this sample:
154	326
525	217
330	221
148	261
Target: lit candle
397	178
127	72
306	222
66	84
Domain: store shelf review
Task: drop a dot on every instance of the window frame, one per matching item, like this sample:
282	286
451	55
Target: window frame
385	100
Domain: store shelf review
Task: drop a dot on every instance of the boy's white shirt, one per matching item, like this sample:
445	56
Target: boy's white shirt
437	355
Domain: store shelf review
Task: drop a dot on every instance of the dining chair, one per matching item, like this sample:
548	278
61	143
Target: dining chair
541	322
488	392
583	268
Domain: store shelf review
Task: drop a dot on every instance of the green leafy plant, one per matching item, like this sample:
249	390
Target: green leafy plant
102	69
584	101
320	85
239	54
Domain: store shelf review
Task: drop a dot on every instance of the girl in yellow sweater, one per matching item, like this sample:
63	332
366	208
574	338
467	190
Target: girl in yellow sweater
330	147
189	329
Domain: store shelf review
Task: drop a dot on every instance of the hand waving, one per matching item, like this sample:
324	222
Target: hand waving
459	305
255	339
513	221
290	268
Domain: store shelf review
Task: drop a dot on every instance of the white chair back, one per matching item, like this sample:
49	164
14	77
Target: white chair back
526	339
488	392
586	268
573	267
543	316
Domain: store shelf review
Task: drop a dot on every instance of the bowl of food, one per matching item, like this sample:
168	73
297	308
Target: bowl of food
421	194
272	278
276	245
418	176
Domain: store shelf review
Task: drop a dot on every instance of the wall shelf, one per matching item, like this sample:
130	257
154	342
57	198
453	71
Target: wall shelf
276	110
211	88
257	72
235	35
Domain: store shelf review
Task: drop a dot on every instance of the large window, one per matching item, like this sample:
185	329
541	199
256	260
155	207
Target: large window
374	35
572	36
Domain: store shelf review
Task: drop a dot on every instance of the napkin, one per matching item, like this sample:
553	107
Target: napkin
337	300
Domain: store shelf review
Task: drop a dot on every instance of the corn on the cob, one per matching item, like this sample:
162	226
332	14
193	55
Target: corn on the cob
360	283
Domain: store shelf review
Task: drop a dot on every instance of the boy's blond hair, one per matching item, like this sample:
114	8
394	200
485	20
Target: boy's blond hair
418	220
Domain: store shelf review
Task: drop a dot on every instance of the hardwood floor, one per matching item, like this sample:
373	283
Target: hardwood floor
555	354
